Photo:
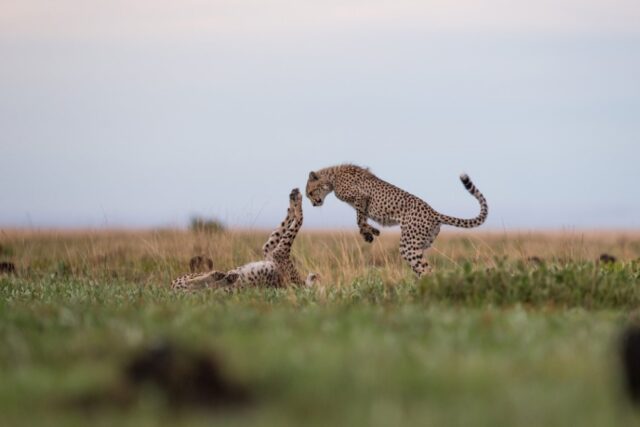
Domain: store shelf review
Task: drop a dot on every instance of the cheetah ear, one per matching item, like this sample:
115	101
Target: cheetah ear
313	176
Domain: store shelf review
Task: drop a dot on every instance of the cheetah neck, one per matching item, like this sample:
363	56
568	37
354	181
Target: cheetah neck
329	173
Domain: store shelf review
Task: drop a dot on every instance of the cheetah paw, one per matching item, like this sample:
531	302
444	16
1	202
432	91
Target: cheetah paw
368	237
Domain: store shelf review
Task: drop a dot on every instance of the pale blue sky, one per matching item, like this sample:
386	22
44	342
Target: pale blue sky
141	113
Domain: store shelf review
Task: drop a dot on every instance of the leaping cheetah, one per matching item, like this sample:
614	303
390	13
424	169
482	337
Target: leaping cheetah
389	205
275	270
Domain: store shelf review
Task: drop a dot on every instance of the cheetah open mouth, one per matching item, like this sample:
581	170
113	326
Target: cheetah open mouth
316	202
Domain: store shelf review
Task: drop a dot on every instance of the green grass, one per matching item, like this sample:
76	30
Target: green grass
487	340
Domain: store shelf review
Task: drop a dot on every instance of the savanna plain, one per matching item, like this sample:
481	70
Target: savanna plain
511	328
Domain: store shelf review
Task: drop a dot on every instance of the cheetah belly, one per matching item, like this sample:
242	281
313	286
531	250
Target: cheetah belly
385	221
259	273
384	216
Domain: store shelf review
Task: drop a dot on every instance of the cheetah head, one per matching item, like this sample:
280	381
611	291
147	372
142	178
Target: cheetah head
317	189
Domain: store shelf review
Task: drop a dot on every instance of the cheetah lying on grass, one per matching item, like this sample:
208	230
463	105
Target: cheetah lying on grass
275	270
388	205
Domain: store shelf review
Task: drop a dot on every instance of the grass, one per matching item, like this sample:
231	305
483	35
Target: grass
489	339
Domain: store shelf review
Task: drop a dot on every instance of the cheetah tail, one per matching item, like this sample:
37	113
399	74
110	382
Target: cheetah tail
473	222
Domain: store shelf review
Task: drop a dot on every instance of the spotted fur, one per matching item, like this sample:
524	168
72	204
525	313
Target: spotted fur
389	205
275	270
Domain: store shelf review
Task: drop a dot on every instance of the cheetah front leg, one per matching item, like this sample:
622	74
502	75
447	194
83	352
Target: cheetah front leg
362	213
283	248
282	253
286	264
277	234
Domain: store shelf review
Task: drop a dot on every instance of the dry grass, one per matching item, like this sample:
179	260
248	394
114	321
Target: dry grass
155	256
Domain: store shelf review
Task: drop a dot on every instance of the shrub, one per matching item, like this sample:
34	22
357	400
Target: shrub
204	225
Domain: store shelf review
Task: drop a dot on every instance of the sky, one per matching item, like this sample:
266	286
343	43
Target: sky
143	113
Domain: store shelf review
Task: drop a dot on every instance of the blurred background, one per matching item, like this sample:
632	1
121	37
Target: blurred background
144	113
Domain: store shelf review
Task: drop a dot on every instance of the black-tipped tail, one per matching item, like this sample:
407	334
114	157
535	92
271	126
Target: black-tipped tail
473	222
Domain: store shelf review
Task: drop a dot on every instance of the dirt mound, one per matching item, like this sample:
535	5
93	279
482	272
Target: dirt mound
607	259
630	355
7	268
184	379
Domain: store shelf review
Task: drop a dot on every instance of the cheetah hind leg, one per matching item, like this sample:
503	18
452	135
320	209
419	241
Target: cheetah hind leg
415	257
412	247
219	278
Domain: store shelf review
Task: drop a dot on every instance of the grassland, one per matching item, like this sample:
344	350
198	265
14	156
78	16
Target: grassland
491	338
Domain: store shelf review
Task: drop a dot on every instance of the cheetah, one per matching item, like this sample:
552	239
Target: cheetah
276	270
389	205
